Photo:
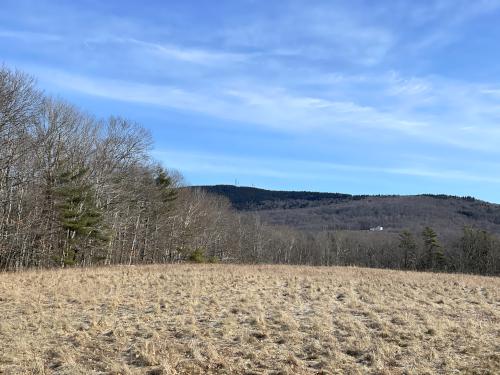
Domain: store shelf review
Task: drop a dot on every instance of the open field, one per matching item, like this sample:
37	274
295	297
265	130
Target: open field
197	319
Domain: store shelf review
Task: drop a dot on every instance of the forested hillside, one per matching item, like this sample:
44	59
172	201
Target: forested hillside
76	190
335	211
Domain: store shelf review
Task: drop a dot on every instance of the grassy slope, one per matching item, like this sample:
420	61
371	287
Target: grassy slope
247	319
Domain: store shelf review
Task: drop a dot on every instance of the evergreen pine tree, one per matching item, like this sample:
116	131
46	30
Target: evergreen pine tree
165	184
433	257
79	217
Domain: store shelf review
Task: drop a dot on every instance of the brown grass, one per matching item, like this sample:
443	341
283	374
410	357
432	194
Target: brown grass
187	319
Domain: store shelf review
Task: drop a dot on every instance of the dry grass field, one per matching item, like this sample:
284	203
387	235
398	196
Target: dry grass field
207	319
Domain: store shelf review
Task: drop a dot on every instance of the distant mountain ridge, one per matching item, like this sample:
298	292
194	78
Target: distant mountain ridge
333	211
245	197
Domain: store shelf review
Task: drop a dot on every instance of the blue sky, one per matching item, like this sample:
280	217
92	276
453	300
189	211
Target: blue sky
382	97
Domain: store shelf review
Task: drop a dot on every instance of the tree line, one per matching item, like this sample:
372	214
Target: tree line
76	190
473	251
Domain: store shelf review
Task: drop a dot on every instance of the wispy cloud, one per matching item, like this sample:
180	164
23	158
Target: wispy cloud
171	51
302	169
432	110
369	78
266	106
326	32
29	36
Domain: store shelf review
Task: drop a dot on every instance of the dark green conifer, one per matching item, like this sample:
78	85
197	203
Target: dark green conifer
79	216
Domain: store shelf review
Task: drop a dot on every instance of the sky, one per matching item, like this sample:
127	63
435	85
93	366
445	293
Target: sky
360	97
